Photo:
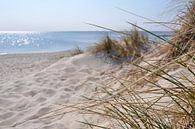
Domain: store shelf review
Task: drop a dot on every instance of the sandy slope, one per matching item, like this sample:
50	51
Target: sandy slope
15	66
30	91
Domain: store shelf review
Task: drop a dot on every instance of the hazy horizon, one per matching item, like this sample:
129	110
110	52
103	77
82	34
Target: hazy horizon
64	15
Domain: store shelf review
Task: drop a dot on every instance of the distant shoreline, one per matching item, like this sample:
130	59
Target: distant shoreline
37	53
57	41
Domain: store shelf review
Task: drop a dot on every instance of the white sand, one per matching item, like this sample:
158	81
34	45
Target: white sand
15	66
35	84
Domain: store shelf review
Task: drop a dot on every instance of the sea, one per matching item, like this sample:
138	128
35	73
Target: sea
38	42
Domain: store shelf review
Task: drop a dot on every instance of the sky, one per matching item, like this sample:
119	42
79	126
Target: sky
71	15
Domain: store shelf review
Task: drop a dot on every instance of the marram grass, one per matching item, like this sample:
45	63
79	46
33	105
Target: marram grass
76	51
184	38
132	45
166	105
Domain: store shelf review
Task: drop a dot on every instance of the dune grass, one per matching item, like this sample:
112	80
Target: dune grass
184	38
166	105
131	46
76	51
107	45
154	95
168	102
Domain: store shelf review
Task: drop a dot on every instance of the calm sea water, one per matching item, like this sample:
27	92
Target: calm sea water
34	42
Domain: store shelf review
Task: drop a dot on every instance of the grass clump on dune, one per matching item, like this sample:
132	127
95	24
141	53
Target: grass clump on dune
160	98
136	43
168	102
129	47
107	46
184	38
76	51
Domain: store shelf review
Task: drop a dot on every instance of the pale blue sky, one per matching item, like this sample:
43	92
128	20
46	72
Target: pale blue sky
70	15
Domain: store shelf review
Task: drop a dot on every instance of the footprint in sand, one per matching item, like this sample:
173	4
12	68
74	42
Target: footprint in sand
63	79
19	88
11	96
8	122
63	99
78	87
38	74
13	120
41	99
39	80
21	105
65	96
40	113
5	103
55	126
67	89
49	92
69	70
73	81
85	71
6	115
30	93
93	79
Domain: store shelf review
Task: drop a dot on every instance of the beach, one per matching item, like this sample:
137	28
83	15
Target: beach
64	65
15	66
34	85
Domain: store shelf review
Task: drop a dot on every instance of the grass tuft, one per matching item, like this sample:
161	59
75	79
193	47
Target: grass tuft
184	38
76	51
131	46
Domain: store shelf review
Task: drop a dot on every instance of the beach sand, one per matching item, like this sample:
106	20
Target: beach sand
33	85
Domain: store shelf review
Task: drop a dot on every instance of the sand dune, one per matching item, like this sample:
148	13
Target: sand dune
34	85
